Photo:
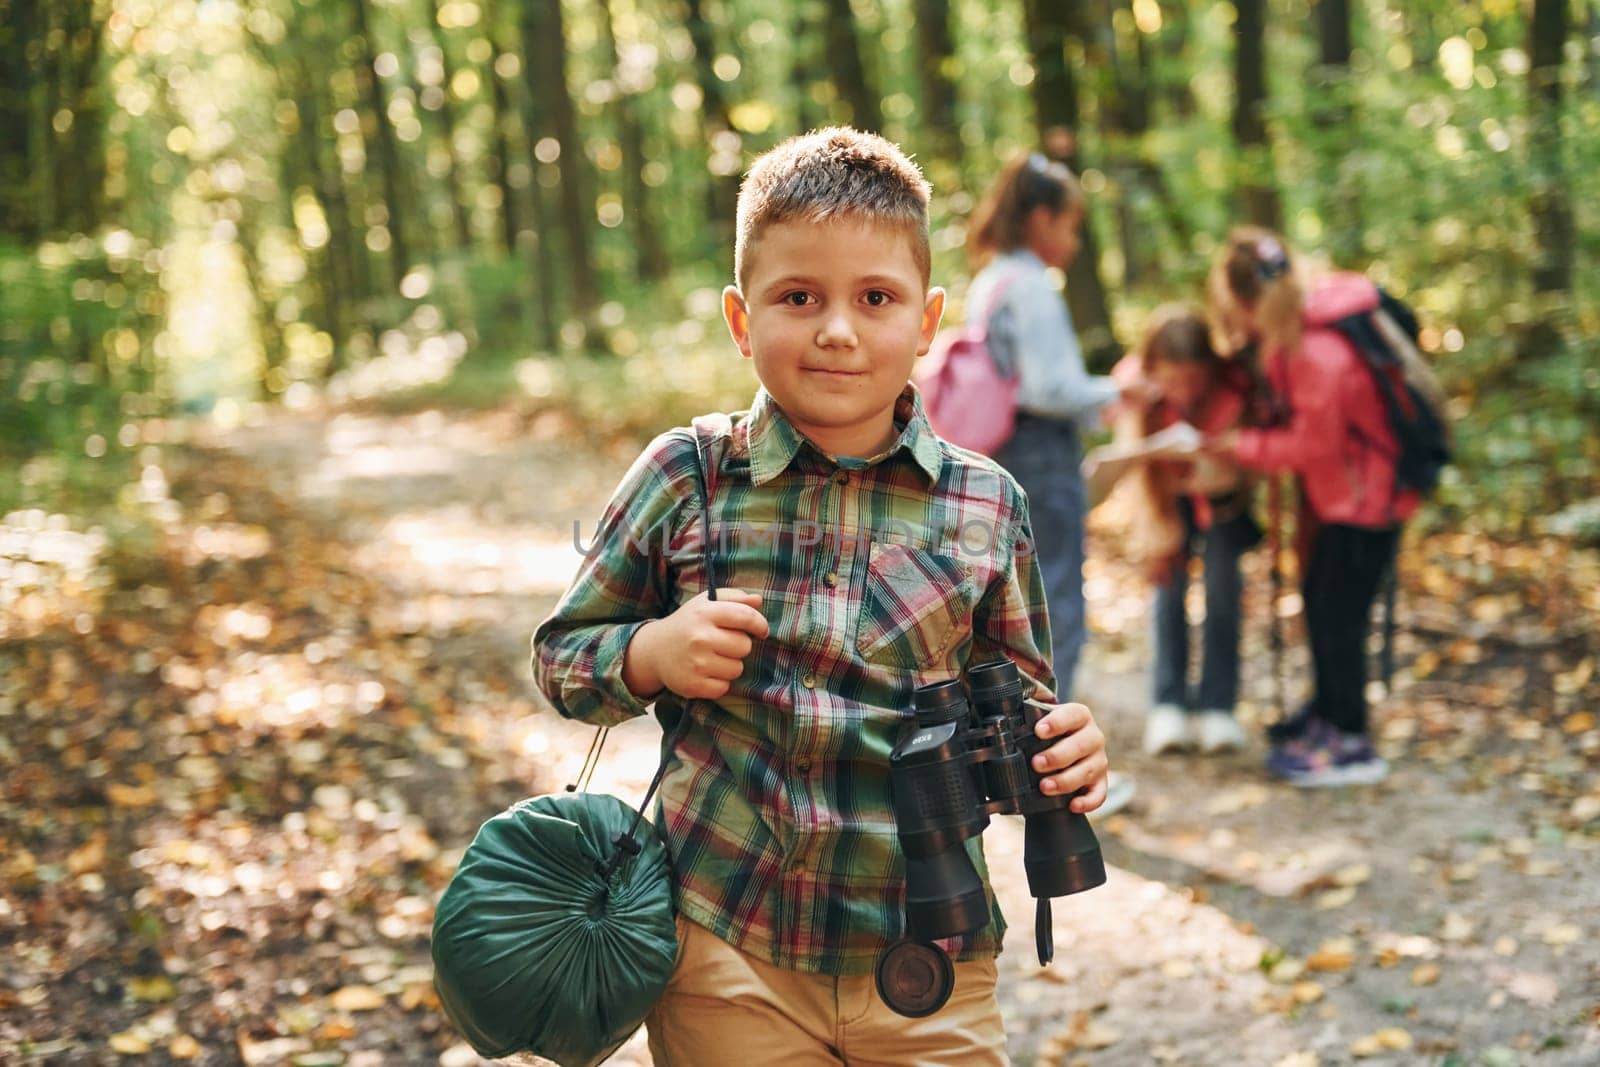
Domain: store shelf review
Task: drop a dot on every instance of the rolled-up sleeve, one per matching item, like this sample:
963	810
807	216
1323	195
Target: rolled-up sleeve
1034	327
622	583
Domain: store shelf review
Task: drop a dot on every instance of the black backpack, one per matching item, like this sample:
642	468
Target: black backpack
1386	339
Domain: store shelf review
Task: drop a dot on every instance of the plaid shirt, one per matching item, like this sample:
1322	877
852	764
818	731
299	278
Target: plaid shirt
874	579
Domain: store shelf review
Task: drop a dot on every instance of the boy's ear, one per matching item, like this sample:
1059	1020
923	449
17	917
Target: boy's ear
932	313
737	315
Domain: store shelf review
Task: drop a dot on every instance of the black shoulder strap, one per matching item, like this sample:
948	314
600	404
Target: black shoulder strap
627	843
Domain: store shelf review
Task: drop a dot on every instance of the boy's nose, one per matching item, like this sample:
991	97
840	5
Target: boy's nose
836	331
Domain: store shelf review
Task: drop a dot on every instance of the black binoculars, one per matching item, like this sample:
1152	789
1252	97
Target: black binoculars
967	758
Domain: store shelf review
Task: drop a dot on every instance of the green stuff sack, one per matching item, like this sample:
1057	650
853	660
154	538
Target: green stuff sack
534	951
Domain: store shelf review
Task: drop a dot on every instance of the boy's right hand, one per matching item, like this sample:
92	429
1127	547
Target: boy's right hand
698	650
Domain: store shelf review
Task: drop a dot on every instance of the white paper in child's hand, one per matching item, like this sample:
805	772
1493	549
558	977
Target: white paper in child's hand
1179	439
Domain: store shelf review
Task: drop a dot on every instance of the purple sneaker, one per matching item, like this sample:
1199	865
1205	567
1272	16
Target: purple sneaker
1322	757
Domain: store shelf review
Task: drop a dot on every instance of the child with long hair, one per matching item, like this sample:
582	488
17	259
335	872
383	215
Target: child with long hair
1190	505
1027	224
1332	432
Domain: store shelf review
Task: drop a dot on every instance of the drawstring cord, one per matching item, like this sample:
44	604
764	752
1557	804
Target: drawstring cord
627	844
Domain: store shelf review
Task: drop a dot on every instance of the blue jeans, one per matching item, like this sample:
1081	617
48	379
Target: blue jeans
1219	549
1044	455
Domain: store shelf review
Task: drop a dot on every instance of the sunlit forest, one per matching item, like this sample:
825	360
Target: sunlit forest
220	203
325	324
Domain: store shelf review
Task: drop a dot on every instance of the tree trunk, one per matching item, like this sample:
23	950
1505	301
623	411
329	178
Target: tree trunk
83	96
1592	59
803	64
504	113
25	30
1257	187
302	166
1055	97
1126	116
45	97
936	120
447	123
849	72
1548	201
651	257
1549	204
1334	116
544	45
395	201
722	182
1172	43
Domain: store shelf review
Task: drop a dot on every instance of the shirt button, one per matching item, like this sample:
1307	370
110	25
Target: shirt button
803	765
843	478
796	862
809	681
831	579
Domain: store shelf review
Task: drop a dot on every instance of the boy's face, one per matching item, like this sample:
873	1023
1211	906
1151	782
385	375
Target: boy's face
834	314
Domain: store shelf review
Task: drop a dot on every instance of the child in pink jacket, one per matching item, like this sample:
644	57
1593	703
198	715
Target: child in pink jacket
1331	429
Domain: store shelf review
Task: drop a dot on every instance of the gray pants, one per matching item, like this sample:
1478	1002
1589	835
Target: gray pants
1219	653
1044	455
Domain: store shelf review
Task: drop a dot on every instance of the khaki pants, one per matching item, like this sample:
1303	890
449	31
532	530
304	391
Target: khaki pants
725	1007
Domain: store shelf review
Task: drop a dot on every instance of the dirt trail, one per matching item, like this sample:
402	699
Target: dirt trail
1445	911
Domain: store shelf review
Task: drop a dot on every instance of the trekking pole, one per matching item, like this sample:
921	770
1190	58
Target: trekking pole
1391	584
1275	572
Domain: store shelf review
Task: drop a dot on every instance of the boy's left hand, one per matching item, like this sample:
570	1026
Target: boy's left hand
1077	761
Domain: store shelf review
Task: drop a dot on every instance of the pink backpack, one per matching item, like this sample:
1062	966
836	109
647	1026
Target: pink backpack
967	400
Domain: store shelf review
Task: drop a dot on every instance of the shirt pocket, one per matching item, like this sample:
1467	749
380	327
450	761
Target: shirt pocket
916	606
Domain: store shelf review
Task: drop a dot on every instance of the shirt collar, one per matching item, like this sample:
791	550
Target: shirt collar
774	442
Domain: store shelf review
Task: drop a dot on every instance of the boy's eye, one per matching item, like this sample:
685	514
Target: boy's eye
797	298
877	298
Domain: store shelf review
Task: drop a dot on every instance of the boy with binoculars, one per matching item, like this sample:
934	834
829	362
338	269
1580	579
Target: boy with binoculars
797	679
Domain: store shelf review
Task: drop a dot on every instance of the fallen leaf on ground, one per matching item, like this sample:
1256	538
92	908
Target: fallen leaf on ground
1456	927
1336	898
356	998
1177	968
1425	974
1392	1039
1355	874
150	990
88	856
1307	992
129	1043
1330	959
1562	934
131	796
1539	990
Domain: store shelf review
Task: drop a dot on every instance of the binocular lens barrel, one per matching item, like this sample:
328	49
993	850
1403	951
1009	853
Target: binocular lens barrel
939	703
1061	854
944	895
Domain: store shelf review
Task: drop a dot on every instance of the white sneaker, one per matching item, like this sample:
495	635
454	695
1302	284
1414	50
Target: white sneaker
1119	793
1219	731
1166	729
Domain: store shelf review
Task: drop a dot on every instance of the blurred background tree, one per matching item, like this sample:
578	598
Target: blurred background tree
215	202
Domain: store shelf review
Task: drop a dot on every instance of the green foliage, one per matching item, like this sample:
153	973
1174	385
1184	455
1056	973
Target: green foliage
248	243
72	369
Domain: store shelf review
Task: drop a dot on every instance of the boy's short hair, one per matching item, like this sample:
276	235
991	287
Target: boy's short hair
829	174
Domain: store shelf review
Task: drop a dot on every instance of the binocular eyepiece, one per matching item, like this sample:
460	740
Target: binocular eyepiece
969	756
